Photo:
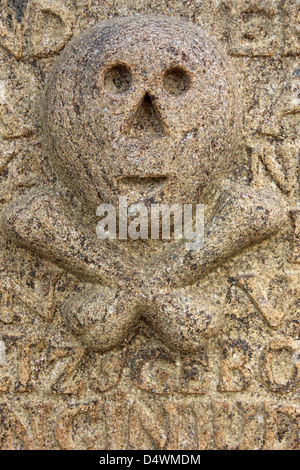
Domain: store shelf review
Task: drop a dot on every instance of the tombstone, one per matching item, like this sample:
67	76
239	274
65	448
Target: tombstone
150	226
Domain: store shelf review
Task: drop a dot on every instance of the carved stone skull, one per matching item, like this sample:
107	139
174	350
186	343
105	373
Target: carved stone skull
148	108
145	107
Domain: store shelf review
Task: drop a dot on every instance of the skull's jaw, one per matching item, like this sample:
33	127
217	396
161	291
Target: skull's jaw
143	188
155	170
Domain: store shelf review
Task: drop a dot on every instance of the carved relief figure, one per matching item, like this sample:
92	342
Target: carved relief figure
145	107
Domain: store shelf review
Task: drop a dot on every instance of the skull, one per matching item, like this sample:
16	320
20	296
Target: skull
145	107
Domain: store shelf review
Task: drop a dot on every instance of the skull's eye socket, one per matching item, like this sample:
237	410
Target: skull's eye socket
117	79
176	81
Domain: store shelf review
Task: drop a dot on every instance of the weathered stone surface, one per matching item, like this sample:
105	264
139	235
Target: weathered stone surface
142	344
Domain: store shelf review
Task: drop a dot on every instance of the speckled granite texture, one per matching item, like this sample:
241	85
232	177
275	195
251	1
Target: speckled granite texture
143	344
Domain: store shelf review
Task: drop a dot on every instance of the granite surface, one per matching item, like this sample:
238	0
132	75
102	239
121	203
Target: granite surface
140	343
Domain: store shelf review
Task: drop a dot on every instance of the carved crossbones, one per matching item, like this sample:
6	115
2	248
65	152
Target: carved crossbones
146	107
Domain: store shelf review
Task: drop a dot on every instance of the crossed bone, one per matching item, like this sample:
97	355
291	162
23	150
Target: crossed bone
118	289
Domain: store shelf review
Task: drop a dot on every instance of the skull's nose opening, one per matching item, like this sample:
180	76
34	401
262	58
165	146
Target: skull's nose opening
146	122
